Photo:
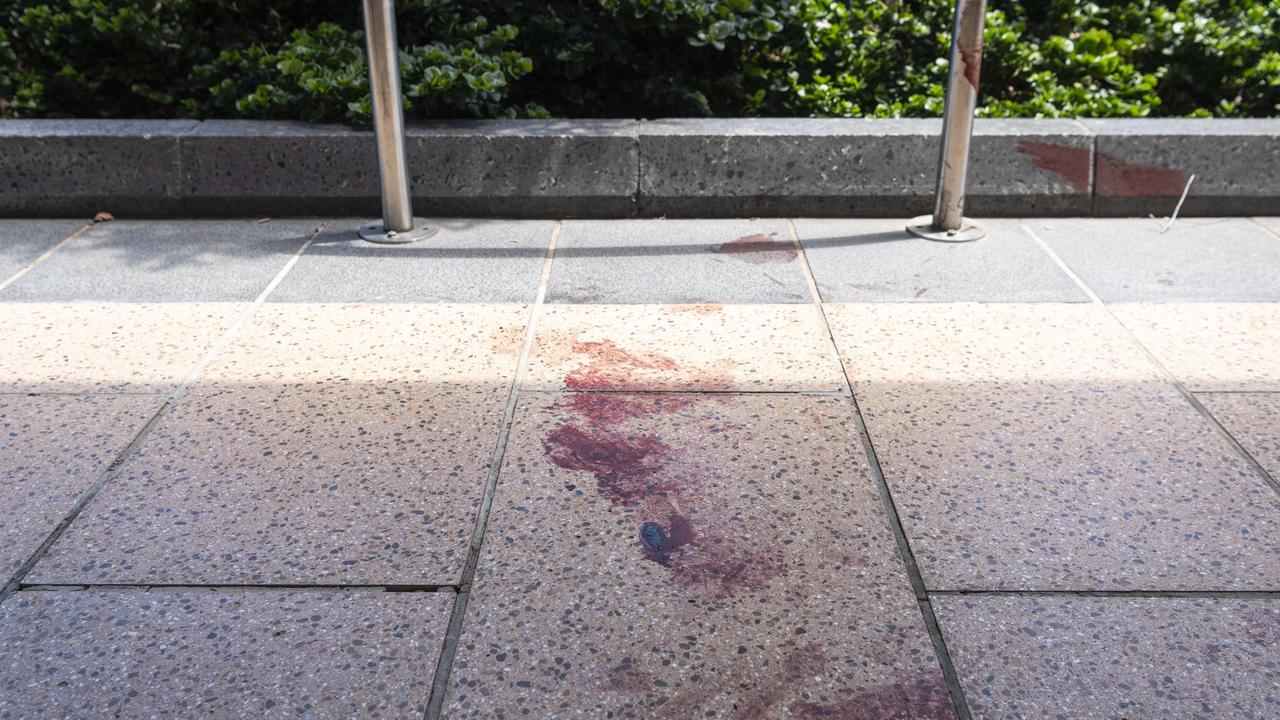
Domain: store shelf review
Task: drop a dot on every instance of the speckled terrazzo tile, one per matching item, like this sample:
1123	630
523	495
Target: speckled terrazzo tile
1211	346
166	261
22	241
1101	658
683	347
676	261
119	347
1253	419
428	345
219	653
1034	447
52	449
329	484
681	556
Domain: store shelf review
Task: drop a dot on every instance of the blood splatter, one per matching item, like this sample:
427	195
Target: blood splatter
624	468
1121	179
759	249
922	696
971	57
608	367
661	540
1070	163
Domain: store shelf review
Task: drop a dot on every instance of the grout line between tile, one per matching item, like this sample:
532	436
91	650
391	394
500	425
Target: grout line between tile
15	581
1164	371
651	391
940	651
159	587
1267	228
45	255
1234	594
444	667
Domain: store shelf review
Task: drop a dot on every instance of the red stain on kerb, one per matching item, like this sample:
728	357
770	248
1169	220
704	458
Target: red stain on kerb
1069	163
758	249
1121	179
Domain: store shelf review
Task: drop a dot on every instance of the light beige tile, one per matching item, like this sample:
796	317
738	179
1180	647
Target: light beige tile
220	653
684	556
683	347
1033	447
1100	658
53	448
101	347
1212	346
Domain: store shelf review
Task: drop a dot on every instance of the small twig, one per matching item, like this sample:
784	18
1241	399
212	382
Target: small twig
1181	200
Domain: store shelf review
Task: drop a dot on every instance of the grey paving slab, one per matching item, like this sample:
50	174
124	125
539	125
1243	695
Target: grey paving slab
1102	658
469	261
676	261
165	261
1200	259
878	261
22	241
128	653
1253	419
52	449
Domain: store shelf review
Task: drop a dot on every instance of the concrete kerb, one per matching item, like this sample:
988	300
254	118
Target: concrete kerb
625	168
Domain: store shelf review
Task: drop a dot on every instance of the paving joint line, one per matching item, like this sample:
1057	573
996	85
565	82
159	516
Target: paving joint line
643	391
14	582
1245	594
266	587
1267	228
940	651
45	255
1168	375
444	666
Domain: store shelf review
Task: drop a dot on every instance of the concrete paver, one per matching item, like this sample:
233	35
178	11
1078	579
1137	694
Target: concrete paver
1197	259
1211	346
299	458
53	448
865	260
1032	447
22	241
219	653
107	347
172	261
475	261
1253	419
676	262
679	556
683	347
1115	657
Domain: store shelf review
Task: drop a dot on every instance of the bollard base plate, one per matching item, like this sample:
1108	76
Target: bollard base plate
378	233
923	227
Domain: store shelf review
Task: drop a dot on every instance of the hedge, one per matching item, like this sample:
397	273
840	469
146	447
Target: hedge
635	58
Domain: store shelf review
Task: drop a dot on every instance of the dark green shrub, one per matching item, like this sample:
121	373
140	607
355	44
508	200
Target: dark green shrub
635	58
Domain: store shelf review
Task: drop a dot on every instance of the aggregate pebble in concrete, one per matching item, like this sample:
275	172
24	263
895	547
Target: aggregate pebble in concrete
328	444
779	348
22	241
476	261
1253	419
1101	658
52	449
1211	346
219	653
1197	259
676	261
107	347
166	261
684	556
879	261
1032	447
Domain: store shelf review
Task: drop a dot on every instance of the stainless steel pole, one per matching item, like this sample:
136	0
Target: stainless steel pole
948	222
398	224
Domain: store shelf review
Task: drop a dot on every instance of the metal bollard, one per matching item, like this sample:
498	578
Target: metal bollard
948	222
398	224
